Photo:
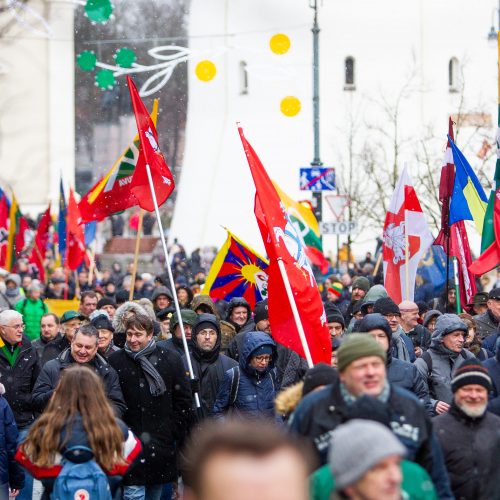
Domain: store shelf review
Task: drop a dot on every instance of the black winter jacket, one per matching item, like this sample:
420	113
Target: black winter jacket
161	423
493	367
51	373
54	348
471	448
19	381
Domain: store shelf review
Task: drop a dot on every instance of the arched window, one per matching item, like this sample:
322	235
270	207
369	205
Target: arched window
349	73
243	78
453	75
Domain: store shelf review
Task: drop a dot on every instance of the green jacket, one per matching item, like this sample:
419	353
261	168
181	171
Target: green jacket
32	311
416	485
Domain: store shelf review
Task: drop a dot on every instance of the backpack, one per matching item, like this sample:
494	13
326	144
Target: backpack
85	481
235	383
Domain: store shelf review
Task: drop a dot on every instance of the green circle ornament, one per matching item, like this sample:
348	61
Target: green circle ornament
105	79
125	57
86	60
98	11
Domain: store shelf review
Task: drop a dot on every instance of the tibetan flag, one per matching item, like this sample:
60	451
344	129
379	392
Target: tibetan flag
75	238
40	243
4	227
151	155
17	231
112	193
307	227
468	201
237	271
285	248
62	227
405	230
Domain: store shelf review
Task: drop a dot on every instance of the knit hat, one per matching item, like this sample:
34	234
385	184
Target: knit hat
102	322
261	311
106	301
362	283
334	317
371	322
336	289
471	372
321	374
386	306
358	345
357	446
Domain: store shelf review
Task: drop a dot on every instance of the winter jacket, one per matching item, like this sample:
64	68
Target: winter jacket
402	346
51	373
19	381
493	367
486	324
319	413
256	390
471	448
40	343
173	344
78	437
420	337
32	311
209	367
161	422
490	343
406	375
54	348
11	296
442	360
10	472
249	326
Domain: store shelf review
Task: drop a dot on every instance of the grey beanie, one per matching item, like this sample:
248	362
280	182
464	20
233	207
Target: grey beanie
357	446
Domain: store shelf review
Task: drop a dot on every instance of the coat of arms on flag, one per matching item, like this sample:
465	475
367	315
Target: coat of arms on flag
237	271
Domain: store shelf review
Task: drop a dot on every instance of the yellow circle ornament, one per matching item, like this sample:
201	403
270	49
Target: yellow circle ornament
279	44
205	70
290	106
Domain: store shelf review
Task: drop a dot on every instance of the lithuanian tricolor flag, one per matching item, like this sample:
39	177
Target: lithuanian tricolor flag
17	228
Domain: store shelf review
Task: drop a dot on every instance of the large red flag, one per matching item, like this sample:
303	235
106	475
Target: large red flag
151	155
39	249
75	240
4	229
283	243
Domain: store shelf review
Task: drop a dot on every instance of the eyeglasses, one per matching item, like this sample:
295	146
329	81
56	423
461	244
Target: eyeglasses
263	358
207	333
16	327
391	316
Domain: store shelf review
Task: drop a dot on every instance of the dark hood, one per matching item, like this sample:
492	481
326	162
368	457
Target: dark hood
199	354
251	342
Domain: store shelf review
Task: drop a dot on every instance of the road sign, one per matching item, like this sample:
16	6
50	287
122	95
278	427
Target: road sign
335	206
347	227
317	179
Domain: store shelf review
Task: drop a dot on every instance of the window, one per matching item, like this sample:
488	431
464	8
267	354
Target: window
243	78
349	75
453	77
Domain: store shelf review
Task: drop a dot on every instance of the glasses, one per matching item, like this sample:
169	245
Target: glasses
391	316
263	358
207	333
16	327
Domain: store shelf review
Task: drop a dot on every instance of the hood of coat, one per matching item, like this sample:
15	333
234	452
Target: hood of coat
252	342
205	321
207	301
445	324
161	290
121	313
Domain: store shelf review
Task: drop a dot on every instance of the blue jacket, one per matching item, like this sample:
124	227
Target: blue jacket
10	472
256	391
493	366
490	343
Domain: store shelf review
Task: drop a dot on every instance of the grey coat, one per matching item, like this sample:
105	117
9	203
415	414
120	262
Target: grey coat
486	324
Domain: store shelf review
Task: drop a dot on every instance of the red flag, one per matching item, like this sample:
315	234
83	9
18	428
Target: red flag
151	155
4	229
39	249
75	239
282	243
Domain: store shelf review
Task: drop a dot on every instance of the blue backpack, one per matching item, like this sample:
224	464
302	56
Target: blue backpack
85	481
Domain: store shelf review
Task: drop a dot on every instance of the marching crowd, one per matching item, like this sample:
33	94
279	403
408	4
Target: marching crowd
99	402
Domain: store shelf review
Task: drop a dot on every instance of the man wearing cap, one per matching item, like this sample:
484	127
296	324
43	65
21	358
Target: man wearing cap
487	322
470	435
479	303
362	371
70	322
164	316
360	287
445	355
109	305
49	331
105	347
209	366
175	343
418	334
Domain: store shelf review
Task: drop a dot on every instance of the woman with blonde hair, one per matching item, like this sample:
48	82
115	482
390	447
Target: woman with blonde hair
78	425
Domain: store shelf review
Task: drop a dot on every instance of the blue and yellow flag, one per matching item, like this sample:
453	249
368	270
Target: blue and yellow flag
62	223
468	201
237	271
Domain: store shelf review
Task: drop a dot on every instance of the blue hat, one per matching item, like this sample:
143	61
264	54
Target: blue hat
263	349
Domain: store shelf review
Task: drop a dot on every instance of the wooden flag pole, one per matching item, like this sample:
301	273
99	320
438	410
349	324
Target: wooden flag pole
295	312
172	283
379	261
136	255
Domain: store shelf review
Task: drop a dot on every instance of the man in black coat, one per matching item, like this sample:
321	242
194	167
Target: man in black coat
159	406
209	366
83	350
470	435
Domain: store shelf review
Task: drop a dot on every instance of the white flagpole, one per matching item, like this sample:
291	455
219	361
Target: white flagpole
171	279
295	312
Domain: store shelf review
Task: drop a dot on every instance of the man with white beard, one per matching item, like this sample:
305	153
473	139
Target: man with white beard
470	436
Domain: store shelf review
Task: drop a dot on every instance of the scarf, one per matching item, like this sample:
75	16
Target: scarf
350	399
153	378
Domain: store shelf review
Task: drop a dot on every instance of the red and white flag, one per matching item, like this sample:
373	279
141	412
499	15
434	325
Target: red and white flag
150	154
404	222
283	243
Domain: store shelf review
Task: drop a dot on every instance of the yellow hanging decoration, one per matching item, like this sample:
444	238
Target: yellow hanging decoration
290	106
279	44
205	70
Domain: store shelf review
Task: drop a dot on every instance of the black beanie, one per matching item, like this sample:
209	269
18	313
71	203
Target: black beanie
321	374
261	311
334	317
102	322
386	306
106	301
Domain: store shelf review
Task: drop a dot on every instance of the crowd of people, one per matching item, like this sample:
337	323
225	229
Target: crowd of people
127	399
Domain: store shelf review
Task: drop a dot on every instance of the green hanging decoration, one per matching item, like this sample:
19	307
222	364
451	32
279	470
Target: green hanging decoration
98	11
87	60
105	79
125	57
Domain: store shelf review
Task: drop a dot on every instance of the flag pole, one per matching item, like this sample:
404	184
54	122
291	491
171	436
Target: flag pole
171	279
295	312
379	261
136	255
457	287
92	268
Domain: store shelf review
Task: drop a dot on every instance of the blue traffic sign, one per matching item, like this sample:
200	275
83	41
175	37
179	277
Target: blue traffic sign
317	178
